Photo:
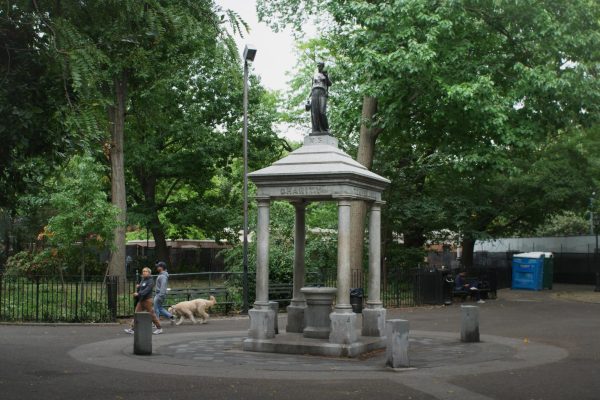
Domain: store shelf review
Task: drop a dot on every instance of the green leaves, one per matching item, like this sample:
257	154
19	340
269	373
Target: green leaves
472	96
83	213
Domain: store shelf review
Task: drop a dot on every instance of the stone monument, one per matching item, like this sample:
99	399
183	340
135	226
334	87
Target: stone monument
318	171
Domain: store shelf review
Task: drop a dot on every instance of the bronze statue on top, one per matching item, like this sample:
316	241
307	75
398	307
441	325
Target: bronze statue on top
317	104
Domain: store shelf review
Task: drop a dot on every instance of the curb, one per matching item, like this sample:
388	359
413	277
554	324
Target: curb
58	324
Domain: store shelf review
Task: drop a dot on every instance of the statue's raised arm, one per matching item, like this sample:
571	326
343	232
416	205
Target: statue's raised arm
318	101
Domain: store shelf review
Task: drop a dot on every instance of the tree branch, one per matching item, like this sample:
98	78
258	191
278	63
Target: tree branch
169	192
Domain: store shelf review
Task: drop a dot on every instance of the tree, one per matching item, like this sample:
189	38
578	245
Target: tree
111	50
84	217
184	140
468	94
564	224
34	112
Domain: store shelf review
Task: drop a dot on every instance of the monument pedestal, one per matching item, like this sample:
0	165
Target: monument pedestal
374	321
343	329
295	317
262	322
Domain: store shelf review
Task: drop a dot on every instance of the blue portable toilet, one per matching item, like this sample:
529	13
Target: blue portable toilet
528	270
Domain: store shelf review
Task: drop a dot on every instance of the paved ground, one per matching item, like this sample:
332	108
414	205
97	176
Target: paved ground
534	346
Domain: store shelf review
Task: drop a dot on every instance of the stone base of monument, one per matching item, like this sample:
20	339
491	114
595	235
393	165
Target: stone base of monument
262	322
296	343
374	321
343	321
295	318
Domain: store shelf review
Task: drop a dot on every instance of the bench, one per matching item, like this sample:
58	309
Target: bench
221	294
484	289
281	292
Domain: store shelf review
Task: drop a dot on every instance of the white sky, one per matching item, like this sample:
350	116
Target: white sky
275	55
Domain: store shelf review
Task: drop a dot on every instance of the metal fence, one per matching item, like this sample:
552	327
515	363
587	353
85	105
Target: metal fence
577	268
103	299
66	299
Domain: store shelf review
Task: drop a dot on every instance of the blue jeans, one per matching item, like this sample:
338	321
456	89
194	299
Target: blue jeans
159	309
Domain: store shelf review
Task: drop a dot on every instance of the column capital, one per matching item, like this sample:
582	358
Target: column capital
299	204
263	201
344	202
377	204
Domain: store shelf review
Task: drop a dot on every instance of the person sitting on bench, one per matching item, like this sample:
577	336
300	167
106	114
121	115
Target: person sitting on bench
460	285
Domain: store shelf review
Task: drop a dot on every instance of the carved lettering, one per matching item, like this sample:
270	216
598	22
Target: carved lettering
302	191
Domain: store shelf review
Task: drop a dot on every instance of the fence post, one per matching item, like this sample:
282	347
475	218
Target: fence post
111	295
1	297
37	298
76	299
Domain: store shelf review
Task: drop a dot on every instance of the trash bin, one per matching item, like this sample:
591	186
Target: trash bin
356	299
532	271
448	286
429	286
548	271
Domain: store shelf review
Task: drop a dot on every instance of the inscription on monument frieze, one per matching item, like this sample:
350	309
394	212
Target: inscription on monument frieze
303	190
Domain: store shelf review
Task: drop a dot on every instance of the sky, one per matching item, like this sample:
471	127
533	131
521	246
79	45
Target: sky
275	51
275	55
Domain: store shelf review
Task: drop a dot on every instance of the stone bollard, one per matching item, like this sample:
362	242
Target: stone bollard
396	353
275	307
142	336
469	327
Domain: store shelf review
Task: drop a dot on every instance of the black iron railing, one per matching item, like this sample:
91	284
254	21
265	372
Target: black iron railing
104	299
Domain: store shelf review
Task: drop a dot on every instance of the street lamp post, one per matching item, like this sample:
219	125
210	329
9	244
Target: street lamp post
592	213
597	255
249	54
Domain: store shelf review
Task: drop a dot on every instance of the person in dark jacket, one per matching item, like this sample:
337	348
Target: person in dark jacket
461	285
162	280
144	297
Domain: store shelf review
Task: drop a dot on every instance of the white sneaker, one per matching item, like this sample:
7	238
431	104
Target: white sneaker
481	302
158	331
172	320
129	330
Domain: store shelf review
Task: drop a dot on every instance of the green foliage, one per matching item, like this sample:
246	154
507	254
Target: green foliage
320	246
33	130
28	264
83	212
399	255
567	223
478	102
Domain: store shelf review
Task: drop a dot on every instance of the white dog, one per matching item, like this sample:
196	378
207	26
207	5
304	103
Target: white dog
192	308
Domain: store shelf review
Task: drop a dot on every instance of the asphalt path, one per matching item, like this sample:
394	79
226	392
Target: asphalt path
35	360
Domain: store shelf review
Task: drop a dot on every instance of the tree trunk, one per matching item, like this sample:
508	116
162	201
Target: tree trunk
468	248
116	117
160	241
6	233
358	209
148	183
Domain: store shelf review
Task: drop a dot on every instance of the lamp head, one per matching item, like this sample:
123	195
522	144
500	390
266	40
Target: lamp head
249	52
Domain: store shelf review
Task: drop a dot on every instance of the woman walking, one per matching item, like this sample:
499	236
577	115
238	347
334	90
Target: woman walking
144	298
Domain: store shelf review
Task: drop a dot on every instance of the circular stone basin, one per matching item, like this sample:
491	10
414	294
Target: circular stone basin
319	301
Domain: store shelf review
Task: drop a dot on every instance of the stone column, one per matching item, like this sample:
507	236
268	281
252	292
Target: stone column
297	307
262	317
342	318
374	315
